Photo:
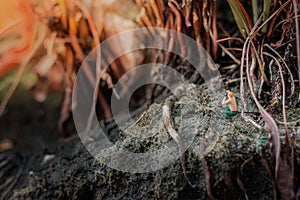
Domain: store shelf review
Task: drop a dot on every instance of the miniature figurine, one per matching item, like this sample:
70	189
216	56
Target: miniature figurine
231	105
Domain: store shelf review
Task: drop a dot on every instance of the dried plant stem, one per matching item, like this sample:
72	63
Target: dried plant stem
80	54
67	102
158	14
179	28
145	18
297	37
230	38
234	80
205	23
206	171
175	136
9	27
242	90
140	3
150	12
283	89
274	17
230	54
286	164
287	67
161	6
41	36
214	29
167	123
94	33
14	180
270	122
170	47
196	23
248	73
64	15
266	165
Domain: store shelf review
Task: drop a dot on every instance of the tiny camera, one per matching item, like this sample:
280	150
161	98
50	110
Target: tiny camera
225	94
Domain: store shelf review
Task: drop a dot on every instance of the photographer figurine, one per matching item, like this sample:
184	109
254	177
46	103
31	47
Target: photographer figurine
231	105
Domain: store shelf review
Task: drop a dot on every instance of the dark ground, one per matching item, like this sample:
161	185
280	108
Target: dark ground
74	174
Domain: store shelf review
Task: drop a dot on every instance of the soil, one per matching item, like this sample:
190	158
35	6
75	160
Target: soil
52	168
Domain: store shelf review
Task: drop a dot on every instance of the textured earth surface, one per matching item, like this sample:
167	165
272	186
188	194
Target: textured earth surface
233	154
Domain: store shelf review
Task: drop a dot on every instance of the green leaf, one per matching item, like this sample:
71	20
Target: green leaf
239	17
266	13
